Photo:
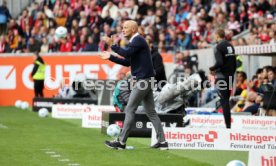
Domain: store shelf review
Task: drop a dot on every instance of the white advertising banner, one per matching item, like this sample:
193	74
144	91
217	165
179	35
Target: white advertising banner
62	111
218	139
93	118
191	110
262	158
237	122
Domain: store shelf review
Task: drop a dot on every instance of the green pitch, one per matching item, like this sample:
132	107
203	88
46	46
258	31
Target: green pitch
27	140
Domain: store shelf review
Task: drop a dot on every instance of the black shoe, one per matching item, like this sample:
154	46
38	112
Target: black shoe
115	145
161	146
185	124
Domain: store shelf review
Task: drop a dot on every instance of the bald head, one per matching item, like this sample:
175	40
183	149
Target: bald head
132	24
130	27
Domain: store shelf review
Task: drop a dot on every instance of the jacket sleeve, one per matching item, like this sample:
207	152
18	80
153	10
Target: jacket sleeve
34	69
219	60
131	49
158	63
121	61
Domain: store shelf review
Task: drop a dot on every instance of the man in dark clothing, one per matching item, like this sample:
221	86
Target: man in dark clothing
224	70
90	45
4	45
14	26
158	65
137	56
4	17
34	45
264	6
38	75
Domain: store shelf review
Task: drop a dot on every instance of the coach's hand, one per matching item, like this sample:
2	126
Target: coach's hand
105	55
108	40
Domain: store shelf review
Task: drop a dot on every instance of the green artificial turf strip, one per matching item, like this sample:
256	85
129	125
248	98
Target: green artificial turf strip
27	140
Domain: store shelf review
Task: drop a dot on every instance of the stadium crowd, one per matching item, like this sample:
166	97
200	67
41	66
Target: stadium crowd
174	25
257	92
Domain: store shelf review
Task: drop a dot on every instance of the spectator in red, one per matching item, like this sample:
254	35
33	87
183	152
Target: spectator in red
264	36
73	36
253	12
66	45
81	44
209	32
39	20
4	46
53	45
26	20
243	17
15	27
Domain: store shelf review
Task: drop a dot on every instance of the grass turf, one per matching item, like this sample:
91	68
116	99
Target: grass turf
27	140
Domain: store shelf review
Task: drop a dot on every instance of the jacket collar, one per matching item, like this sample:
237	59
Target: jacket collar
136	34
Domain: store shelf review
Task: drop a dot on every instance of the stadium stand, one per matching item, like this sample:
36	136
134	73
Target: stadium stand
174	25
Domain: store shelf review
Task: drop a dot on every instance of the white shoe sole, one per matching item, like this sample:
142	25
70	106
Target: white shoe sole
164	148
111	147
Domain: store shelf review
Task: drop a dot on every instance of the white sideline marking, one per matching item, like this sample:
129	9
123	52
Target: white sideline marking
64	160
56	155
59	158
74	164
3	126
45	149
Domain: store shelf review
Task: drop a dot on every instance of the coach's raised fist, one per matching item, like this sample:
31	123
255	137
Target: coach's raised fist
107	40
105	55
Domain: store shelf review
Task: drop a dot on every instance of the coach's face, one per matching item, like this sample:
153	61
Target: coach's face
128	29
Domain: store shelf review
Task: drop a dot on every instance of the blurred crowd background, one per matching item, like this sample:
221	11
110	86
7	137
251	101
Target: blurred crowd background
173	25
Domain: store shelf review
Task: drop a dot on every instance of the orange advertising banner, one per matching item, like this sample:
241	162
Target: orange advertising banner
15	73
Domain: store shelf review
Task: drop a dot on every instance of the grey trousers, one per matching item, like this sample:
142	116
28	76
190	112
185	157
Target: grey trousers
143	94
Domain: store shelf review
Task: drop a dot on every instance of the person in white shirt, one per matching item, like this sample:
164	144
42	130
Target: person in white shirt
113	10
